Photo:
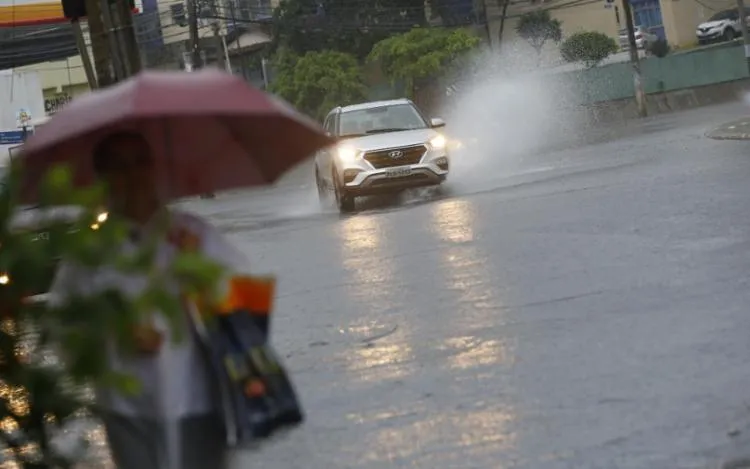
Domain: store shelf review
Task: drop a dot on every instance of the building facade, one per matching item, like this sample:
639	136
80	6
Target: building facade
673	20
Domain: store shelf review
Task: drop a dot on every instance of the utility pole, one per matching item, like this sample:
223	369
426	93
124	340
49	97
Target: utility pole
195	46
220	52
743	27
83	50
487	28
113	38
126	33
99	47
640	95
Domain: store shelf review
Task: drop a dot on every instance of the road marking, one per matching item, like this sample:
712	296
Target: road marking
732	127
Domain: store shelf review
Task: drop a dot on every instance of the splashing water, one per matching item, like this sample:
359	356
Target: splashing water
506	117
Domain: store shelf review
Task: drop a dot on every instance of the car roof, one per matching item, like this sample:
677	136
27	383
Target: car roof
374	104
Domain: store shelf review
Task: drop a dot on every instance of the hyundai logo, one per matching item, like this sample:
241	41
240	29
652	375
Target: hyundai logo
396	154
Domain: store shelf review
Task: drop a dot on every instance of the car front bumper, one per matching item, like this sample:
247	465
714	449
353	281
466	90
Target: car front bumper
362	179
707	37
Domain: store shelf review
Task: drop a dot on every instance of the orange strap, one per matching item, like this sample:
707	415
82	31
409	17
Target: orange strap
245	292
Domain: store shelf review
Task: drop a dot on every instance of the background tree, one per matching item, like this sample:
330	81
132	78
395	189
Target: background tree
423	53
659	48
44	406
588	47
350	26
538	27
503	5
318	81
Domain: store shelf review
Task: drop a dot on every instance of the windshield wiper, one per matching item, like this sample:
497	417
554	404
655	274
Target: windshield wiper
380	131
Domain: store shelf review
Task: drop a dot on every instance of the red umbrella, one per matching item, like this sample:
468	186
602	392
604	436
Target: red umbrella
209	131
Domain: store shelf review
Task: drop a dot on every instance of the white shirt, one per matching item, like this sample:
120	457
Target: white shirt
175	381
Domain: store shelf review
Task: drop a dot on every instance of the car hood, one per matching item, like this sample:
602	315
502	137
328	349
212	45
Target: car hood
713	24
391	140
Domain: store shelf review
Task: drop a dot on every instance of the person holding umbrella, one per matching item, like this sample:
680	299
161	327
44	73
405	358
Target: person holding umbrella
152	139
138	426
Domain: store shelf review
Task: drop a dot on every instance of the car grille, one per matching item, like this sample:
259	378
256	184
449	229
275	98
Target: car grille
383	159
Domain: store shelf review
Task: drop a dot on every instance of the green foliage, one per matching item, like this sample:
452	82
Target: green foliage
589	47
51	352
318	81
352	27
659	48
538	27
423	53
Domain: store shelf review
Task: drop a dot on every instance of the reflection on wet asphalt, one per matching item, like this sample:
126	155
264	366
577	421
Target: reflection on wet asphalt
595	319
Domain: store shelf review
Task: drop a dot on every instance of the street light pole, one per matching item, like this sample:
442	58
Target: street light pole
640	95
743	27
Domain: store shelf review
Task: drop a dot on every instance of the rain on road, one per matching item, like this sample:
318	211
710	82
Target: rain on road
592	315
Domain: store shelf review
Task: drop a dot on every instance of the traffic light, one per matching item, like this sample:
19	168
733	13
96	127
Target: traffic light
74	9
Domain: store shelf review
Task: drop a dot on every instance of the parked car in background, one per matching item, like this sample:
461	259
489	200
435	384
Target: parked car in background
723	26
643	37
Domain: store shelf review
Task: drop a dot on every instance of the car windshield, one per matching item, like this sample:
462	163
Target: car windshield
379	119
724	15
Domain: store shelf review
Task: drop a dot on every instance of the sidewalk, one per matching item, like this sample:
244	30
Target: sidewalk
735	130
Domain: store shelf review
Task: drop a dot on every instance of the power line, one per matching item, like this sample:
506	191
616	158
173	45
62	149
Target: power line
147	37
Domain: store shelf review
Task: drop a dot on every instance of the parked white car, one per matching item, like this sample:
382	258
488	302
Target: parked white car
643	37
723	26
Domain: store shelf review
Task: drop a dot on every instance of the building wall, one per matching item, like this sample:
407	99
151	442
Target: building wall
682	16
63	80
587	16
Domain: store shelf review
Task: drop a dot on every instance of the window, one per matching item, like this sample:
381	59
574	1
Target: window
329	124
178	13
725	15
381	119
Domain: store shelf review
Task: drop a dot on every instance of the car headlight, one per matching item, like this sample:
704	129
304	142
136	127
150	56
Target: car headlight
438	143
347	153
4	278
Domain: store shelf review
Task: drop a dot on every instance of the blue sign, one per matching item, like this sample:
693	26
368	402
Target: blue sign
13	137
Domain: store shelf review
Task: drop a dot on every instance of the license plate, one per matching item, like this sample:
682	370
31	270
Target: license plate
398	172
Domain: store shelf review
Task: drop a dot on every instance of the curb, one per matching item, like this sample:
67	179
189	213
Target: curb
727	136
735	130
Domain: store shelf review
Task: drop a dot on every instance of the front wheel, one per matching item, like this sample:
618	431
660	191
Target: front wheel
344	201
729	34
322	187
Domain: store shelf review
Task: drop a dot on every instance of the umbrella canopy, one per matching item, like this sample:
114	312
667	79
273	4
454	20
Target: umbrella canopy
209	131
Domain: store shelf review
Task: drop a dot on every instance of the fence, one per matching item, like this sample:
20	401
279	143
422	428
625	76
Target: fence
673	72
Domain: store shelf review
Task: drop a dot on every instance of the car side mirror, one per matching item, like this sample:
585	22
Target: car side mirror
437	122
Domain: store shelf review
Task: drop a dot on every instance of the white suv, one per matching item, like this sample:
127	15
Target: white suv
723	26
383	146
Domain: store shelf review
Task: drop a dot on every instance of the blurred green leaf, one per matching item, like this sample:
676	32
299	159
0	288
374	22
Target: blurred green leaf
126	384
50	354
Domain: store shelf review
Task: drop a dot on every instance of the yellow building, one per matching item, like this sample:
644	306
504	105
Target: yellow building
61	81
674	20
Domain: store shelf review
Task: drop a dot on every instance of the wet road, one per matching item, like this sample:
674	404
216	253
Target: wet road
586	309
